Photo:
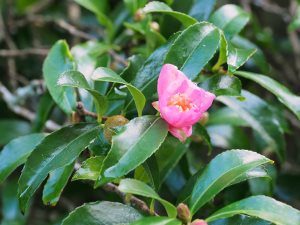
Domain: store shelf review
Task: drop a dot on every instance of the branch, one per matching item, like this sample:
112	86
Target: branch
10	99
134	201
23	52
84	112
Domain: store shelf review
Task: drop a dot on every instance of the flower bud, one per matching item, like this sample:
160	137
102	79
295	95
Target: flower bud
184	213
154	26
111	122
139	15
198	222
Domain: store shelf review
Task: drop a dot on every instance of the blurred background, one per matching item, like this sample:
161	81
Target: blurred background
28	29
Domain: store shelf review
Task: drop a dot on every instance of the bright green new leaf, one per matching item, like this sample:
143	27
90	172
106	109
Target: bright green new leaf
262	207
221	172
52	153
103	213
77	79
160	7
137	187
59	60
16	152
90	169
106	74
136	142
56	182
284	95
231	19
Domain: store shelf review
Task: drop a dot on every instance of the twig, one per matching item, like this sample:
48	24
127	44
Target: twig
134	201
39	6
10	100
267	6
84	112
23	52
118	58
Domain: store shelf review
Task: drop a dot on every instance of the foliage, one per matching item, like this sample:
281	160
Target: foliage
94	138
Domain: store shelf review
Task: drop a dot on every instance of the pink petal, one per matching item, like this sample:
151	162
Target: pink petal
181	133
199	222
155	105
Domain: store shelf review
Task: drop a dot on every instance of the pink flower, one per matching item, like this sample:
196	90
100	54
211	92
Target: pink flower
199	222
181	103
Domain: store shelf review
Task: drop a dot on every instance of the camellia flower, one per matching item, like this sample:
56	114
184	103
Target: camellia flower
181	103
199	222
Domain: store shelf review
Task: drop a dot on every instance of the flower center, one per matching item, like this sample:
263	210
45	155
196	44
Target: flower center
181	101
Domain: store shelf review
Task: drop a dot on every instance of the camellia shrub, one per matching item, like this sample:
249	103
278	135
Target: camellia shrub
157	116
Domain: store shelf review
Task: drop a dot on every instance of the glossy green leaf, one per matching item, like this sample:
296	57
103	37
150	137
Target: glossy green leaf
237	57
16	128
160	7
157	220
137	187
230	18
16	152
59	60
52	153
102	213
200	42
135	62
44	109
106	74
151	168
221	172
258	58
56	182
168	155
134	5
240	220
226	115
261	118
146	78
262	207
222	85
77	79
201	9
90	169
284	95
200	131
136	142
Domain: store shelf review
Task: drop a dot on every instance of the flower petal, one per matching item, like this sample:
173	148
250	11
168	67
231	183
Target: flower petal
181	133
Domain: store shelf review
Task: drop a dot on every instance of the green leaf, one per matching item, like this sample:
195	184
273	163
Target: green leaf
226	115
157	220
59	60
99	8
44	109
102	213
77	79
221	172
146	78
261	118
168	155
262	207
240	220
56	182
52	153
231	19
16	128
106	74
284	95
160	7
134	64
202	9
222	85
200	42
134	5
16	152
136	142
90	169
137	187
237	57
200	132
